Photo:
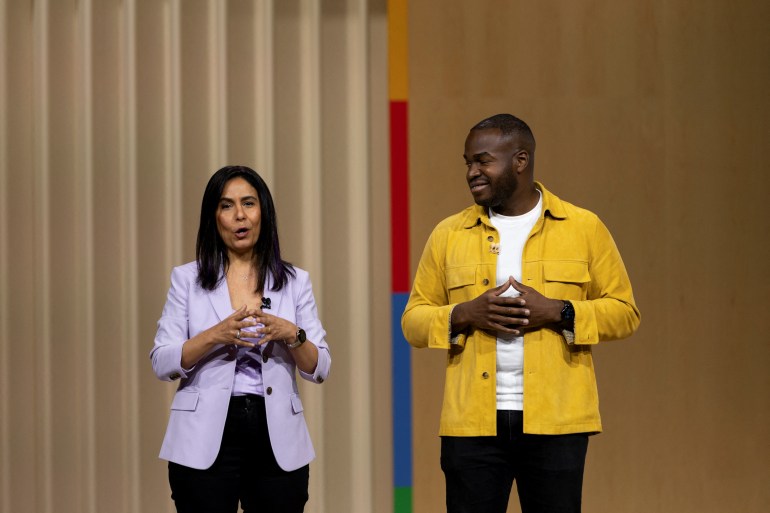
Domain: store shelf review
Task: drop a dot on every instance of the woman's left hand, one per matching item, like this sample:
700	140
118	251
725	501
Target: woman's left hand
275	328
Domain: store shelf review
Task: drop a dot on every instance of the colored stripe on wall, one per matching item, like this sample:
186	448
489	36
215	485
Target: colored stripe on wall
399	228
402	400
399	196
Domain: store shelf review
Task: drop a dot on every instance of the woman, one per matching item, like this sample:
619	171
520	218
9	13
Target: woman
236	324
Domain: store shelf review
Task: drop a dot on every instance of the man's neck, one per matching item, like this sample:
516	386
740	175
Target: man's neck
521	202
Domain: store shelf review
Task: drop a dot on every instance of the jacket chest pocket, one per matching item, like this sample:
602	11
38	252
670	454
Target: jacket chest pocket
566	279
459	282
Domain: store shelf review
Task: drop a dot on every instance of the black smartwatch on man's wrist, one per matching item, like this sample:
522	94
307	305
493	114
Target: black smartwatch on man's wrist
567	323
568	316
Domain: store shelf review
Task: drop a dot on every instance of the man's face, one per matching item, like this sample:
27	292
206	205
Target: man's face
491	176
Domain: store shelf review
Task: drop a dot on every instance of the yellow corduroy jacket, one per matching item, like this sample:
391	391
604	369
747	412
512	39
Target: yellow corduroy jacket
569	255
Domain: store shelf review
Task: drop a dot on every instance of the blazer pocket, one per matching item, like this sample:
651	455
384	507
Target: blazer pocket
296	404
566	279
185	401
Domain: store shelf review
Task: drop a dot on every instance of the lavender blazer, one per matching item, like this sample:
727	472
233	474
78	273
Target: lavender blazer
199	408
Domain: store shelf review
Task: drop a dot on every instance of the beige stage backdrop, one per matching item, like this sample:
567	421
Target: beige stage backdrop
655	115
114	115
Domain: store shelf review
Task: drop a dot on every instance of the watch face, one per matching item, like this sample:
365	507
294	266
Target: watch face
301	335
568	312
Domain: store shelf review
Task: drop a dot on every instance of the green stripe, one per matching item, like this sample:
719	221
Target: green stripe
402	499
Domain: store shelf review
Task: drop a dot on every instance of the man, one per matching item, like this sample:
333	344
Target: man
517	289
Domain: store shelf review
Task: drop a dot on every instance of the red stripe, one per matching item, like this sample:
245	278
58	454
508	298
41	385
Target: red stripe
399	195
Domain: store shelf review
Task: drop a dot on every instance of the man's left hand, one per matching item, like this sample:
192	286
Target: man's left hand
542	310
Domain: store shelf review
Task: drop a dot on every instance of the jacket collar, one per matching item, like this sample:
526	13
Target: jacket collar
552	205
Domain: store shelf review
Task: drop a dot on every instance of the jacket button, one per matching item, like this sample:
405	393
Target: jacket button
485	375
490	238
485	281
269	390
264	358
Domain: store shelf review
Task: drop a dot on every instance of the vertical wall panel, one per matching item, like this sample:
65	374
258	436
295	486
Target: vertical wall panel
20	398
200	133
5	445
309	133
345	226
241	83
381	472
287	54
359	282
264	79
64	341
41	257
217	81
337	233
307	229
111	322
156	138
296	183
84	254
131	325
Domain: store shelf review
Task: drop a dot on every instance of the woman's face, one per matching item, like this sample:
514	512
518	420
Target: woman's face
239	216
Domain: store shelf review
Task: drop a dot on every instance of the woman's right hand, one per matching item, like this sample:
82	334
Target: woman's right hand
225	332
232	329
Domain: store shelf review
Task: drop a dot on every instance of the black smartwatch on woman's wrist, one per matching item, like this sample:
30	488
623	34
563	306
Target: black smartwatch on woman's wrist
301	337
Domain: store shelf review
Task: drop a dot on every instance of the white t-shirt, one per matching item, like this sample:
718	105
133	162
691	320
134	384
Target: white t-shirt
514	231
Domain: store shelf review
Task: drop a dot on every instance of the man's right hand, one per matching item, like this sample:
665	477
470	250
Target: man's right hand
491	312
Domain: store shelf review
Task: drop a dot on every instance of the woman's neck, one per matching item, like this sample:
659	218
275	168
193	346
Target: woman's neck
240	263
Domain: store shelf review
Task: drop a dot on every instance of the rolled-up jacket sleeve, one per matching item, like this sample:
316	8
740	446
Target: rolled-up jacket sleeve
173	330
307	319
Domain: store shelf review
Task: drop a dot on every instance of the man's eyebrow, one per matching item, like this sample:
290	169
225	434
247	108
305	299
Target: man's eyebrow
478	155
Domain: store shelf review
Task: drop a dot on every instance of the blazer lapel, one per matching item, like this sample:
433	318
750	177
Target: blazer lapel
271	295
220	300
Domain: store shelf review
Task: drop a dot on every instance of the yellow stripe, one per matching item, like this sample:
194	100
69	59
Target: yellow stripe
398	50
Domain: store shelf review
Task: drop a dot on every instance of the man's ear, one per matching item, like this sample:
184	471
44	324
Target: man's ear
521	161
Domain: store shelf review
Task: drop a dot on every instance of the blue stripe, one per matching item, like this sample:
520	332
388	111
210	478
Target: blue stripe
402	397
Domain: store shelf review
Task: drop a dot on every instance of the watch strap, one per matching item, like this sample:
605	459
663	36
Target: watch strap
301	337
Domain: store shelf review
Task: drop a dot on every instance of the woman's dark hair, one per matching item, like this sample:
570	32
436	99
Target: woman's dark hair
210	250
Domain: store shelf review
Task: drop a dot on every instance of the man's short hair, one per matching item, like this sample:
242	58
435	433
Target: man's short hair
509	125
